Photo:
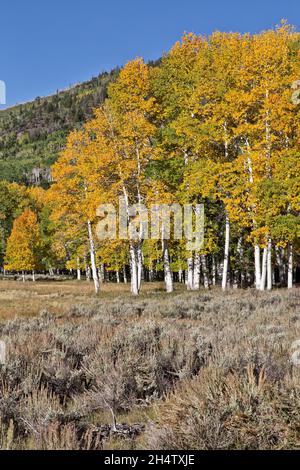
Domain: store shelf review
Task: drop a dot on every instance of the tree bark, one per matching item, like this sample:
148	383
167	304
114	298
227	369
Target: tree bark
93	258
78	270
214	271
196	274
140	264
269	265
124	275
167	269
257	266
134	270
190	274
290	266
226	253
204	271
279	261
264	269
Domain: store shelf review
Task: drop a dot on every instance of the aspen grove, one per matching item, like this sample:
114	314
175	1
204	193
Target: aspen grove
215	122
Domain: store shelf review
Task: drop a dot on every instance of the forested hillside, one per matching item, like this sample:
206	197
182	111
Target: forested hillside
32	134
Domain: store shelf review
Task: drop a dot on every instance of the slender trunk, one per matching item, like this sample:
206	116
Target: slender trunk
124	275
237	264
196	274
240	251
140	264
279	261
235	283
78	270
134	270
118	276
23	276
269	264
135	251
87	269
264	269
257	266
190	274
33	275
226	253
180	275
214	271
204	271
93	257
290	266
256	247
102	273
167	269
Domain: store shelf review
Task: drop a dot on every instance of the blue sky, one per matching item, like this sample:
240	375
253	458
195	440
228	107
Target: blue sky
48	45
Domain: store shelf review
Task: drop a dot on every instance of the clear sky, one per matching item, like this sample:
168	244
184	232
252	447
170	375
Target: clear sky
50	44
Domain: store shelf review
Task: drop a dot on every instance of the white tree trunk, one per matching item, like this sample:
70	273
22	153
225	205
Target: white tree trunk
180	275
23	276
87	269
134	270
214	271
269	264
93	257
118	276
257	266
78	270
196	275
190	274
204	271
290	266
33	275
101	273
226	253
140	264
167	269
264	269
256	247
240	250
279	254
124	275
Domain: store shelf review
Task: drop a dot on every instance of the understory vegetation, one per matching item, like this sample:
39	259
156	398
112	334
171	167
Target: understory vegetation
190	370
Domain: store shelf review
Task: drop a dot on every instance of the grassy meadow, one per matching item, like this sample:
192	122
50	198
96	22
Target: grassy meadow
190	370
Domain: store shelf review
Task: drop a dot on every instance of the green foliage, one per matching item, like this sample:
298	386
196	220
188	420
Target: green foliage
32	134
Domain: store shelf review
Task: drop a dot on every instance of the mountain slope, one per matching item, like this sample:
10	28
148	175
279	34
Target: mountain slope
32	134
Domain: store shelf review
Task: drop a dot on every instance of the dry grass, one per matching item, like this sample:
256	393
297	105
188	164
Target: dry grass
190	370
29	298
